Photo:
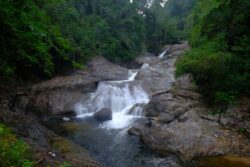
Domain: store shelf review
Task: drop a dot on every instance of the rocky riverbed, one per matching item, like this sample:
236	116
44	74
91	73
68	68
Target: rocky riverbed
181	123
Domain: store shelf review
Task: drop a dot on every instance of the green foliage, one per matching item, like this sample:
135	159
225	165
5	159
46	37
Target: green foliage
65	164
109	28
219	59
170	23
224	98
42	37
28	41
13	152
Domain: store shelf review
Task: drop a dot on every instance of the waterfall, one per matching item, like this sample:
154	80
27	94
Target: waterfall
132	75
163	53
145	65
124	98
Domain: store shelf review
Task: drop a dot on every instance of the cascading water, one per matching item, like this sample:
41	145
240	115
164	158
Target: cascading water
163	53
132	75
124	98
145	65
109	141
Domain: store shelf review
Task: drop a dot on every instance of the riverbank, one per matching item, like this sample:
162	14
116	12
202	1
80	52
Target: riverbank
181	124
47	148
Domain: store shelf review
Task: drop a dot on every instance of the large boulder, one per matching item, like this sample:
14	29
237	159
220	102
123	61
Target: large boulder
175	48
146	58
104	114
102	69
183	126
158	76
59	95
48	149
54	102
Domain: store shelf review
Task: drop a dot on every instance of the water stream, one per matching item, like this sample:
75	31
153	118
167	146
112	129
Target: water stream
124	98
108	141
163	53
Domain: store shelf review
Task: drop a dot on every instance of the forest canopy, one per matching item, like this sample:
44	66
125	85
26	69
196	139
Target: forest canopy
41	37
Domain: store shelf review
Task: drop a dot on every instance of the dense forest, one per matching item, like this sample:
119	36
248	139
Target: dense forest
40	36
219	58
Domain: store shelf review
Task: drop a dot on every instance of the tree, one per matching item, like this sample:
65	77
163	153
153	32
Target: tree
219	59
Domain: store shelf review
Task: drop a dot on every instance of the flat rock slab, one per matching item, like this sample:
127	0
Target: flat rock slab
179	126
59	95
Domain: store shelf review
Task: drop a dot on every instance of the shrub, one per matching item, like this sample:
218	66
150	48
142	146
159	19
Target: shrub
214	70
13	151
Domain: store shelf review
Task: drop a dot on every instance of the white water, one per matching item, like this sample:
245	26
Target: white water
145	65
121	97
163	53
132	75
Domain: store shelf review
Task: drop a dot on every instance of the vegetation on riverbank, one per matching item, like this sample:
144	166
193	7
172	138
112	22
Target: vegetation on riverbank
219	58
42	38
13	152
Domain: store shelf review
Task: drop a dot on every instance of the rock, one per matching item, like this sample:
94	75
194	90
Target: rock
48	149
171	104
159	75
139	61
181	129
58	96
146	58
134	131
104	114
156	77
137	109
55	102
177	47
101	68
169	161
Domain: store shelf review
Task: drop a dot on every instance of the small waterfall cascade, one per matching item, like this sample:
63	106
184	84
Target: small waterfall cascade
145	65
132	75
125	98
163	53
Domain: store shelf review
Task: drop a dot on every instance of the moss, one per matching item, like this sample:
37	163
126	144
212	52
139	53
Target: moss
61	144
13	151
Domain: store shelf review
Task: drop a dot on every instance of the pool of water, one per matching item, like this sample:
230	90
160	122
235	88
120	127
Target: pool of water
111	147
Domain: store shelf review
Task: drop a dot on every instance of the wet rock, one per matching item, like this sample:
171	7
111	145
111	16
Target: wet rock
55	103
156	77
134	131
146	58
172	104
164	162
159	75
48	149
137	109
103	69
104	114
180	128
140	60
175	48
59	95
